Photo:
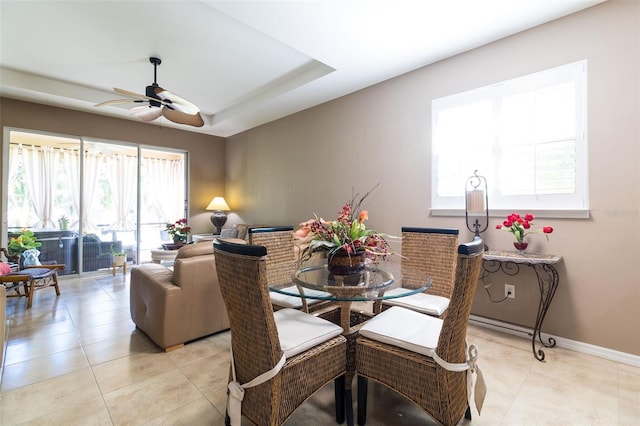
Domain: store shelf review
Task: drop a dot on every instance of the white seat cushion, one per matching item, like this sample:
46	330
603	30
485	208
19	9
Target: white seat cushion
421	302
295	301
299	331
406	329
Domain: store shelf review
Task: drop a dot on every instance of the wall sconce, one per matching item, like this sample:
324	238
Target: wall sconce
476	203
218	217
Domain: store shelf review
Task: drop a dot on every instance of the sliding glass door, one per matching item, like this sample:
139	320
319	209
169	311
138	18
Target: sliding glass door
163	196
109	204
88	199
42	190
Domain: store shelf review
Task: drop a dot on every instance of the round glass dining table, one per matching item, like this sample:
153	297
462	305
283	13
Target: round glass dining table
316	282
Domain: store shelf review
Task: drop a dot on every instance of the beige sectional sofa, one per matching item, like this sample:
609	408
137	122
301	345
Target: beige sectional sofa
174	307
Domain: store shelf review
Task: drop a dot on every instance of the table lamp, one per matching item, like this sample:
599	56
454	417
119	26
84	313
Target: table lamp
476	203
218	217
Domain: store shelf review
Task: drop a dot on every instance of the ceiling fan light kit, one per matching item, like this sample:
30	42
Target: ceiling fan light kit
146	113
161	102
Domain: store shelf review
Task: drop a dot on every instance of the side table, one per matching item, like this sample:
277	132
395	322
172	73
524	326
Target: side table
542	264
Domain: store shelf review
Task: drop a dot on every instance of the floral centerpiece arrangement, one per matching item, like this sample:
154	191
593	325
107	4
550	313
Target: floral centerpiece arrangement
520	227
346	240
23	242
179	230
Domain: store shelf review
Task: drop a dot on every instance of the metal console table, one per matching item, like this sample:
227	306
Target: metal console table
543	265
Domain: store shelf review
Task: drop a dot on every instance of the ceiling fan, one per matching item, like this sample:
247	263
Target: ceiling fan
160	102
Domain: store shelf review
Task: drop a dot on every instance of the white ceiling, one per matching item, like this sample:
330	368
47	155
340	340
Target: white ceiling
243	63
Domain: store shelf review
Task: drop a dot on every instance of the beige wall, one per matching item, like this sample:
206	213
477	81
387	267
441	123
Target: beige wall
284	171
206	153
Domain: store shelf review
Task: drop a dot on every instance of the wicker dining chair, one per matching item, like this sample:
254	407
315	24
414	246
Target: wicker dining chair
432	251
278	359
417	359
282	263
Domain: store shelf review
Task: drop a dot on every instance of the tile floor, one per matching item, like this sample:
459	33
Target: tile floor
78	360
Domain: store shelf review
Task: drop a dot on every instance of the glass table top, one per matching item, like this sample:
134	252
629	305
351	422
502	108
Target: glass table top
315	282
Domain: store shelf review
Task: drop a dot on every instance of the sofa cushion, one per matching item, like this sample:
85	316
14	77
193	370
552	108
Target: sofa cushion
91	238
229	233
195	249
235	240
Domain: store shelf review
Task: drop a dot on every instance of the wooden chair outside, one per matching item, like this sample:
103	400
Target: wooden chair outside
412	359
29	279
432	251
312	349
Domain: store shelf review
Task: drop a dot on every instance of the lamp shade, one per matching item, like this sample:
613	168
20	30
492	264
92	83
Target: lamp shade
218	204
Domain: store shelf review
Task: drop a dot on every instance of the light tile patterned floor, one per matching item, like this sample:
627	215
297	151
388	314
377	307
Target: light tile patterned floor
78	359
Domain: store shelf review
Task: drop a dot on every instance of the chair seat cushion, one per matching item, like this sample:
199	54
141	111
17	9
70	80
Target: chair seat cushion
422	302
299	331
33	273
295	302
405	329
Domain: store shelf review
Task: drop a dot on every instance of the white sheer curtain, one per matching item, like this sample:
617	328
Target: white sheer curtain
41	173
14	155
166	183
122	171
71	160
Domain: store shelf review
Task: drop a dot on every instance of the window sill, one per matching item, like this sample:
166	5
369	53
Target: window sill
500	213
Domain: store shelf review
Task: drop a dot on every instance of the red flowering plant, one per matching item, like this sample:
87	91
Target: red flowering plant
348	233
178	230
520	227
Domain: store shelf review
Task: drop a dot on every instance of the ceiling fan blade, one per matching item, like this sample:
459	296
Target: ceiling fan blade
179	117
146	113
129	93
115	102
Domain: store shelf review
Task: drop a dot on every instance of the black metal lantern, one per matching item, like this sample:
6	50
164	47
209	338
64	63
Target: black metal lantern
476	204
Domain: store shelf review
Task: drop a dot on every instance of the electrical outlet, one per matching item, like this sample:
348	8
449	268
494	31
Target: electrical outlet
510	291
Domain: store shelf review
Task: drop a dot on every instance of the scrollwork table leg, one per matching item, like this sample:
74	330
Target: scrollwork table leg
548	283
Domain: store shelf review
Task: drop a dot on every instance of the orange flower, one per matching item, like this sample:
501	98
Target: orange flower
364	215
304	230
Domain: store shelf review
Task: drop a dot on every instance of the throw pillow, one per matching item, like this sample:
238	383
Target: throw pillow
242	231
4	268
229	233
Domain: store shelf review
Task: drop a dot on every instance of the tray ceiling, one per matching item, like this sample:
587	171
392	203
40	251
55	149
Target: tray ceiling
243	63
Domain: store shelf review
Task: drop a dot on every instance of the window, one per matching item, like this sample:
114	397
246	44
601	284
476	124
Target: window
526	136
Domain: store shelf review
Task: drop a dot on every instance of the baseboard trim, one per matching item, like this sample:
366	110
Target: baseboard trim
573	345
